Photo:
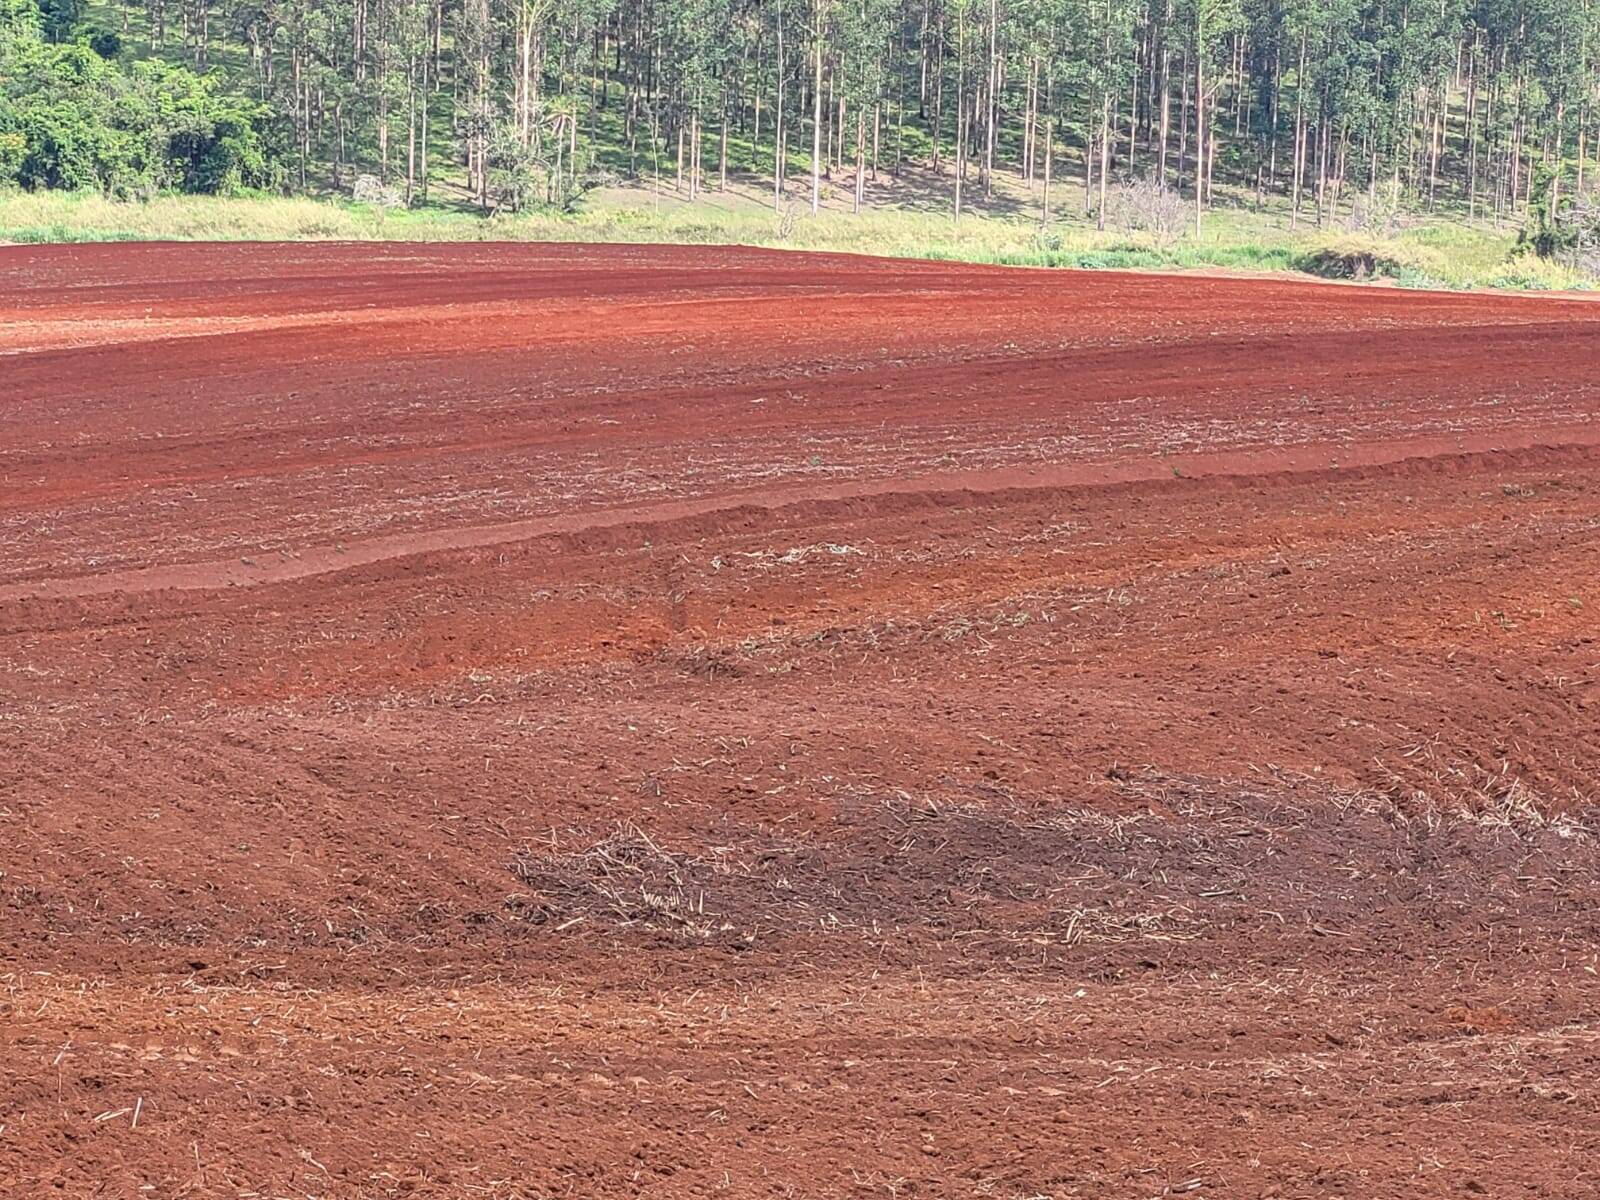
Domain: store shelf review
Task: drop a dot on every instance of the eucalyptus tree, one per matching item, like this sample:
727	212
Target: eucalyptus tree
1326	104
862	31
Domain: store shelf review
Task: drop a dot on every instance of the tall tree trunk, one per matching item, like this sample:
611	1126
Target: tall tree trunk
422	149
1183	122
411	133
861	151
1299	135
1166	116
938	102
1049	148
1199	119
816	115
959	152
991	108
777	127
1105	156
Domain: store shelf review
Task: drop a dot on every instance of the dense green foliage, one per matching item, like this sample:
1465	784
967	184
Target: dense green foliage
1362	107
71	116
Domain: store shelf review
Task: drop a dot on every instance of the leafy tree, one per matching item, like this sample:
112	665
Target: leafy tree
1333	105
71	119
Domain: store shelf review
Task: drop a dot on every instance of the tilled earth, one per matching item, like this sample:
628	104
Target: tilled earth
522	721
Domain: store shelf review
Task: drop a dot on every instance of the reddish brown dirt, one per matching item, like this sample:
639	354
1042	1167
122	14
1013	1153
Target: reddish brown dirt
572	721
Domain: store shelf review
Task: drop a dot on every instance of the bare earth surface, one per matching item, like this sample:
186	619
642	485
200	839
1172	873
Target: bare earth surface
566	721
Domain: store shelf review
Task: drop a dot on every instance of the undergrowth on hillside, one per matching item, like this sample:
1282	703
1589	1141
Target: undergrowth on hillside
1428	256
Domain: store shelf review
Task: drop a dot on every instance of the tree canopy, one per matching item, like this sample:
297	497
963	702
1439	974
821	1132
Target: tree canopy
1313	103
73	116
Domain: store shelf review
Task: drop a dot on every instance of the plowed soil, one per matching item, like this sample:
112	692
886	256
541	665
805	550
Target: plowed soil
609	721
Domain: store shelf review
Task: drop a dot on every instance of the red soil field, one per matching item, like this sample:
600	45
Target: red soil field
522	721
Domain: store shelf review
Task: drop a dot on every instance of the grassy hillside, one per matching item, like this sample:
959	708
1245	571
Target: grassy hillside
1435	254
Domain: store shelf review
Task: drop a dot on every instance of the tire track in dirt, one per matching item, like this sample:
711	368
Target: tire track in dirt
973	488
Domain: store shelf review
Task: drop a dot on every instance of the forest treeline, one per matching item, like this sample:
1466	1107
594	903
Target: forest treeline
1461	104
